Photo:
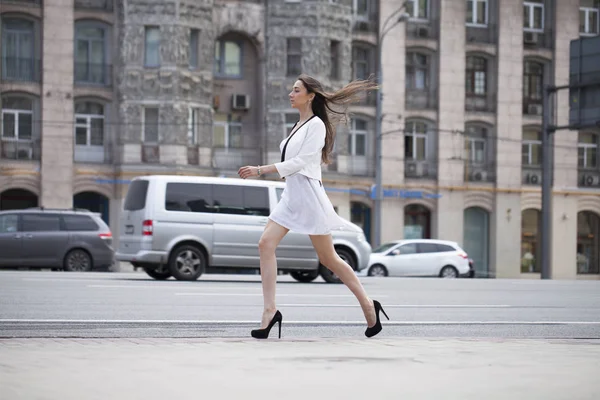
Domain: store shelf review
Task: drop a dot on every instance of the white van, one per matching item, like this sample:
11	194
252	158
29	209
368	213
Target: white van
181	225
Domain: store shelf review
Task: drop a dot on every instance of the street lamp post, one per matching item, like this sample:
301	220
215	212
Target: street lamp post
378	122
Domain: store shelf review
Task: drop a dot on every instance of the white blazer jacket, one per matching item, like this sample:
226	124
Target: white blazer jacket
303	151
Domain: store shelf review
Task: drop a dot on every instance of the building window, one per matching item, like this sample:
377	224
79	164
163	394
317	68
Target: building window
294	56
152	47
589	18
357	139
417	71
90	53
89	124
530	251
477	13
150	132
17	118
532	148
290	120
361	62
415	140
194	42
533	16
476	76
588	242
334	49
418	9
533	81
360	9
228	59
193	125
227	131
476	145
18	48
587	149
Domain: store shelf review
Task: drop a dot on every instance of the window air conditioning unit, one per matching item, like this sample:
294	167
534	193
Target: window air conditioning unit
590	180
530	37
240	101
423	31
535	109
479	176
415	169
533	178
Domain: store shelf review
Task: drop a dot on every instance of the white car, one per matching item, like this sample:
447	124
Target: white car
419	257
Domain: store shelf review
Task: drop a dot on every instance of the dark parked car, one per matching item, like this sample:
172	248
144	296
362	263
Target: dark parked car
73	240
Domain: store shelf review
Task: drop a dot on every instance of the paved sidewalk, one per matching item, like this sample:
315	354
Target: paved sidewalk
397	368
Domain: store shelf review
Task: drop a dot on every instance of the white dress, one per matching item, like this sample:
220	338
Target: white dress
304	206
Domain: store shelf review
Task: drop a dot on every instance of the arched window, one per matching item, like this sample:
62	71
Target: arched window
18	50
89	124
228	58
91	55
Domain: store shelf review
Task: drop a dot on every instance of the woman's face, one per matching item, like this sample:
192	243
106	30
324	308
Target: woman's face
299	96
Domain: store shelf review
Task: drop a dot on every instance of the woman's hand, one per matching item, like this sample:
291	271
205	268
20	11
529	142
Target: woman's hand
248	172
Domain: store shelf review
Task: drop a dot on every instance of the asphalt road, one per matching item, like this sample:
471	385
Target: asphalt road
131	305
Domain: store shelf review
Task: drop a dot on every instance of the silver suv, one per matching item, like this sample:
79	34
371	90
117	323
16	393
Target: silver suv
180	226
73	240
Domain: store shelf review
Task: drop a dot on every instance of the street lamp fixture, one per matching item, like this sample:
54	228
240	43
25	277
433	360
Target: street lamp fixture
397	17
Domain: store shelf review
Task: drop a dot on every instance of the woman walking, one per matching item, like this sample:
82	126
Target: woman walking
304	206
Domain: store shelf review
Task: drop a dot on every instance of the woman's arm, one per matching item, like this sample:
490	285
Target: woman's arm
250	171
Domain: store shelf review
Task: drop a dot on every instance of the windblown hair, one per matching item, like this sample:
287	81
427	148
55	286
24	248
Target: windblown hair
332	107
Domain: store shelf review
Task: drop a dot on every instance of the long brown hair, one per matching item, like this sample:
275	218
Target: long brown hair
332	107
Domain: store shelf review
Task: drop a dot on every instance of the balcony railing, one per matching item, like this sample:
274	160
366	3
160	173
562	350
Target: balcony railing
100	5
420	169
352	165
589	178
485	35
19	150
538	40
421	99
93	74
22	2
478	103
21	69
479	172
93	154
422	30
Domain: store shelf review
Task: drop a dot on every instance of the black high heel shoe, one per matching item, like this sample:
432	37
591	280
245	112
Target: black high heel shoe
375	329
264	333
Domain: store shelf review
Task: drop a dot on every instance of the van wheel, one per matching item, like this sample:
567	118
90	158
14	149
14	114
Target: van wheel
78	260
160	273
328	275
305	276
187	263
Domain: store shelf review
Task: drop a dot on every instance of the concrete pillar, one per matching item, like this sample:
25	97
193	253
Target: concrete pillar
57	105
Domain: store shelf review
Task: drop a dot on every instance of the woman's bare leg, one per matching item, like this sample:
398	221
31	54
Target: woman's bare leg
267	244
323	245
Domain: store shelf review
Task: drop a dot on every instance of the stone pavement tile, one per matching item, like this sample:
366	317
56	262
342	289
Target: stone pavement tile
390	368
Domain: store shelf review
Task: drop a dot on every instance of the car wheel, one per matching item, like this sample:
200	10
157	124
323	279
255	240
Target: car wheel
378	270
328	275
187	263
305	276
78	260
159	273
449	272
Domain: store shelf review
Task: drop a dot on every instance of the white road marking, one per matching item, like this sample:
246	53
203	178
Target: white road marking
243	322
278	294
174	287
405	305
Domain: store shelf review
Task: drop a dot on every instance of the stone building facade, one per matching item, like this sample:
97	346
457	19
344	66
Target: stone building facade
96	92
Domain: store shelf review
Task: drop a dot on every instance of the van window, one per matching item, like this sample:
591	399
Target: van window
9	223
40	222
136	195
256	201
79	223
229	199
190	197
